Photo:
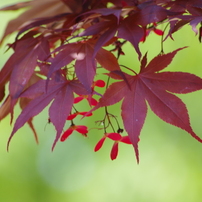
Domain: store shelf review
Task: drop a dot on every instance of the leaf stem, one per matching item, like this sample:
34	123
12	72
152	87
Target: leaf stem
129	69
162	51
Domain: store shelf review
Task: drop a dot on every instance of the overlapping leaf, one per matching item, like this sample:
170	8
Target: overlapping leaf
14	60
38	9
85	63
130	31
61	93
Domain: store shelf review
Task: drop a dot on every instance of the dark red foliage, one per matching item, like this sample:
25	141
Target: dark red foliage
62	47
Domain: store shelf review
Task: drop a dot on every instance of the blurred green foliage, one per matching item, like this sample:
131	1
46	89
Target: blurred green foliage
170	159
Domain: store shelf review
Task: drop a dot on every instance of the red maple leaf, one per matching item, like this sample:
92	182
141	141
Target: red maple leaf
59	92
85	69
154	87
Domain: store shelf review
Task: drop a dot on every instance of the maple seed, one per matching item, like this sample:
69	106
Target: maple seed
72	116
114	151
99	144
116	137
79	128
92	101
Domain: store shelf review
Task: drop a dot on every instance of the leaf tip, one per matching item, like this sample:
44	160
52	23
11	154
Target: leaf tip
196	137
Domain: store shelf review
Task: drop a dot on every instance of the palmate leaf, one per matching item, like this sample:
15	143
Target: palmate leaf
154	87
85	63
82	53
35	106
150	13
127	28
111	29
23	103
130	31
60	92
37	9
5	107
16	58
60	109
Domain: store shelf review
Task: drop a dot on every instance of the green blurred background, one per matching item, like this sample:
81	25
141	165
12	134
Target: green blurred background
170	168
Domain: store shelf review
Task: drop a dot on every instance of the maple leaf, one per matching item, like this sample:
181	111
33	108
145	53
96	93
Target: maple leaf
23	103
38	9
72	116
85	65
154	87
150	13
7	69
107	11
61	95
130	31
127	29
